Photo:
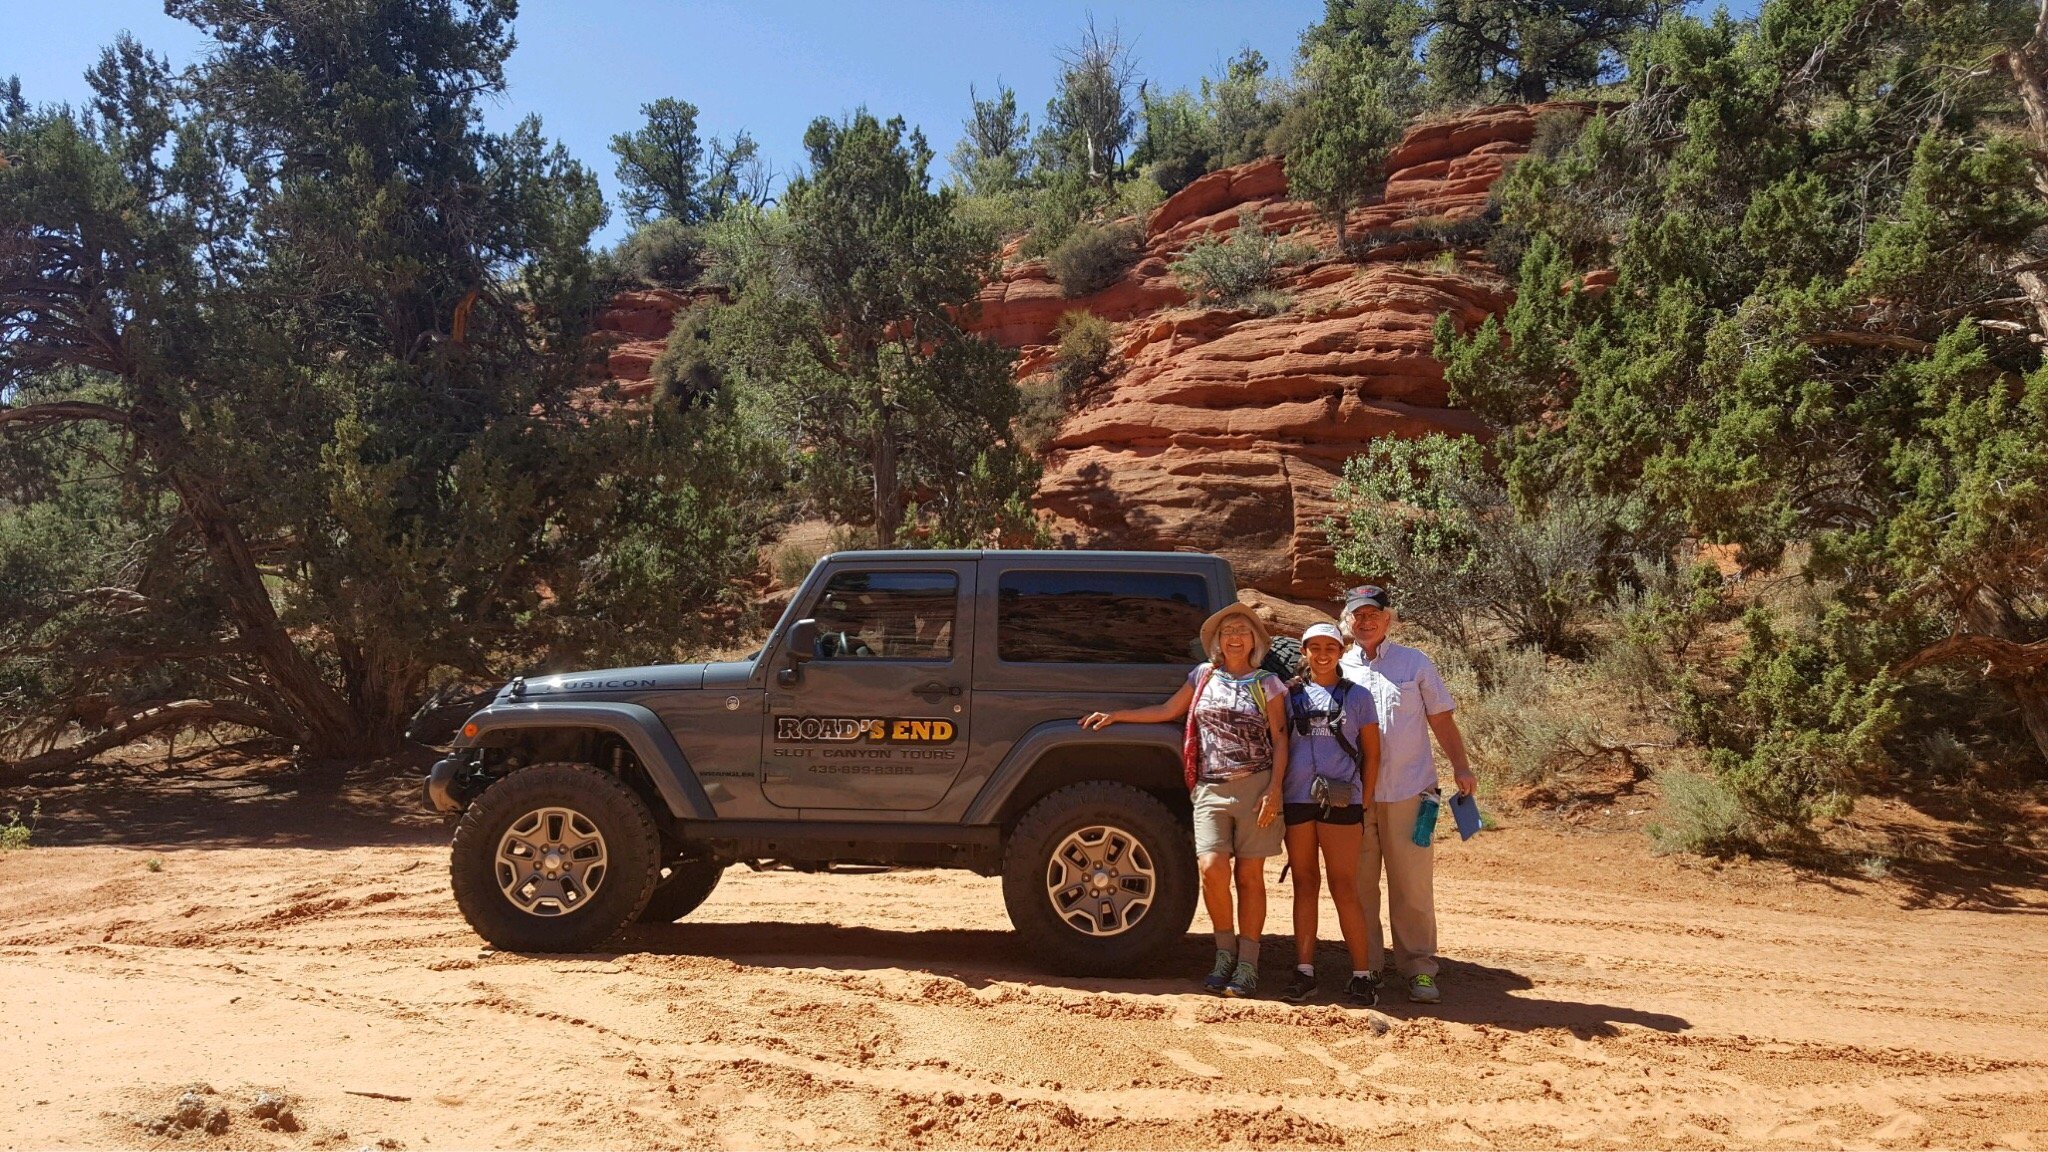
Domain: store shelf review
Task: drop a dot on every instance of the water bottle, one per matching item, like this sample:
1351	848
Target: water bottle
1425	819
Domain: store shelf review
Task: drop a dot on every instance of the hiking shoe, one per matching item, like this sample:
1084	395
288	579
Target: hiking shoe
1245	982
1301	989
1364	990
1422	990
1219	976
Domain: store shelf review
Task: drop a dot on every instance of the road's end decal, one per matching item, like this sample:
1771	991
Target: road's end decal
911	730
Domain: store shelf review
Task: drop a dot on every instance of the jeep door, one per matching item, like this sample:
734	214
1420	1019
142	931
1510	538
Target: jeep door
877	718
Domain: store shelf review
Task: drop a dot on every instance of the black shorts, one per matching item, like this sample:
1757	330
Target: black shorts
1317	814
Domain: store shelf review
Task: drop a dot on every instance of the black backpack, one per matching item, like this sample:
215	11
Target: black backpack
1299	717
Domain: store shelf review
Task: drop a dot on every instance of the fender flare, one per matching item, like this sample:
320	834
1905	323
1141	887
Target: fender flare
642	731
1058	734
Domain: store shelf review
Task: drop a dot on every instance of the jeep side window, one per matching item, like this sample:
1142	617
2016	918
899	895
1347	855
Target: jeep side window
1087	617
886	616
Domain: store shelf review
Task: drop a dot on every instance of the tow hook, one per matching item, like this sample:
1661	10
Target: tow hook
444	793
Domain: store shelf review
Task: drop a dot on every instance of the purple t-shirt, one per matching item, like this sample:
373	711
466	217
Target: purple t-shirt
1317	752
1230	726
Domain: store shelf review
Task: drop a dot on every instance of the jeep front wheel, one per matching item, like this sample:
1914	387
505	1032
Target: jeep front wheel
554	858
1099	876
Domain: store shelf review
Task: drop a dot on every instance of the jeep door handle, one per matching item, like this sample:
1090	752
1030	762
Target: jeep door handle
935	691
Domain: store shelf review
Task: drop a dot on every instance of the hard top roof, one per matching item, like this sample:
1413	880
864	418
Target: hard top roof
1078	554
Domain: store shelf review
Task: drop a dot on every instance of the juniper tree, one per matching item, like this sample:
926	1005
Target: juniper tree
1820	348
850	338
288	343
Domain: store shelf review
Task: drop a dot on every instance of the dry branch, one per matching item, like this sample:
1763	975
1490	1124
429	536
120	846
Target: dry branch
179	714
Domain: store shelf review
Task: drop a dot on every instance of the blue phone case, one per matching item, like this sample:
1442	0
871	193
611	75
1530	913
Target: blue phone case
1465	810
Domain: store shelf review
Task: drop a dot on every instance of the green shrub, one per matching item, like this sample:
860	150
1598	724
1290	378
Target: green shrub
1138	198
686	373
663	252
1235	268
16	835
1093	256
1521	732
1807	717
1002	215
1429	516
1085	340
1445	231
1659	617
1040	408
1701	816
1057	208
793	563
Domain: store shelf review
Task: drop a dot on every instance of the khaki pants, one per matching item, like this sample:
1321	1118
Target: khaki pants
1389	843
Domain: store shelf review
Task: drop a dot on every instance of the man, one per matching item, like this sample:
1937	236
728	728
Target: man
1413	705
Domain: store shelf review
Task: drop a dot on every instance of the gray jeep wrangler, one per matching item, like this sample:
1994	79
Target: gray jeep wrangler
910	708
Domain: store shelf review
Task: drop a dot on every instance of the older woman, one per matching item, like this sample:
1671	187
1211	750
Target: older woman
1413	706
1236	761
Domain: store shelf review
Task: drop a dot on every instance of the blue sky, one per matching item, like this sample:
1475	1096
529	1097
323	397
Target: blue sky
586	66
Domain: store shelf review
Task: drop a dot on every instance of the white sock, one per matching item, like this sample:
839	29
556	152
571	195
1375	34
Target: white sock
1308	970
1359	972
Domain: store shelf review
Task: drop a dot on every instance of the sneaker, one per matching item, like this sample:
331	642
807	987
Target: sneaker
1219	975
1363	990
1422	990
1301	989
1245	982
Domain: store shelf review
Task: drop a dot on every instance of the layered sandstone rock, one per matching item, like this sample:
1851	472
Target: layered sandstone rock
632	331
1227	431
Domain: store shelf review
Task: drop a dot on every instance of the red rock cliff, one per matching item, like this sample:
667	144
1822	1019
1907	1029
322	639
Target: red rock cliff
1225	431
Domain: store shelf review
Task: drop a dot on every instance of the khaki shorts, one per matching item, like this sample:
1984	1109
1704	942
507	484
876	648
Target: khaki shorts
1227	819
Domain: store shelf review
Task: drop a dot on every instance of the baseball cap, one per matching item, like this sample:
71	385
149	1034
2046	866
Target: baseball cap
1359	597
1324	631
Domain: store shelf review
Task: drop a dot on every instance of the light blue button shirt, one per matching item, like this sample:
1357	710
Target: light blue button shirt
1408	690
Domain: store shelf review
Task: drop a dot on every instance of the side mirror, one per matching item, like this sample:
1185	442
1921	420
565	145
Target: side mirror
803	647
803	641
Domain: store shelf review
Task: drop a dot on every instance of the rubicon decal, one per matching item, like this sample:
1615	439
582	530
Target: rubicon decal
849	730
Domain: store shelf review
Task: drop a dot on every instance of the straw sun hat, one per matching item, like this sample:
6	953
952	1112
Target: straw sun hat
1214	624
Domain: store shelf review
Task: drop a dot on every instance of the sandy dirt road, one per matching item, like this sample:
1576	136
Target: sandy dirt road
1594	996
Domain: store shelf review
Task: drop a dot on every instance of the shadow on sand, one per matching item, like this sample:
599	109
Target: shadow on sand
1473	993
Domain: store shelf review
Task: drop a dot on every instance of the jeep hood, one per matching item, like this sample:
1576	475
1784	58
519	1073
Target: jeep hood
641	678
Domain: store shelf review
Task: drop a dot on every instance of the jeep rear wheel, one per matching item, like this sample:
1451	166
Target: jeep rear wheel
684	884
554	858
1099	876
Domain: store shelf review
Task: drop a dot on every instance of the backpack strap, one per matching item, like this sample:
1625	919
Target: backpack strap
1337	727
1190	748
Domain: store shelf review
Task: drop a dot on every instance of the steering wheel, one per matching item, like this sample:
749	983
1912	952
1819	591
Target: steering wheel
836	644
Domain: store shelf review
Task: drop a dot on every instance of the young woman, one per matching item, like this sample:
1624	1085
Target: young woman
1333	763
1236	753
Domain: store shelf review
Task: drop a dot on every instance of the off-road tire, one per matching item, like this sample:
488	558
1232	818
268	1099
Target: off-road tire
1283	657
1028	866
631	846
684	884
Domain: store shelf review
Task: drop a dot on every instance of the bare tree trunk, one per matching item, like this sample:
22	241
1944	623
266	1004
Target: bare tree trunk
1992	613
2028	64
2032	696
888	485
330	726
382	687
2029	67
